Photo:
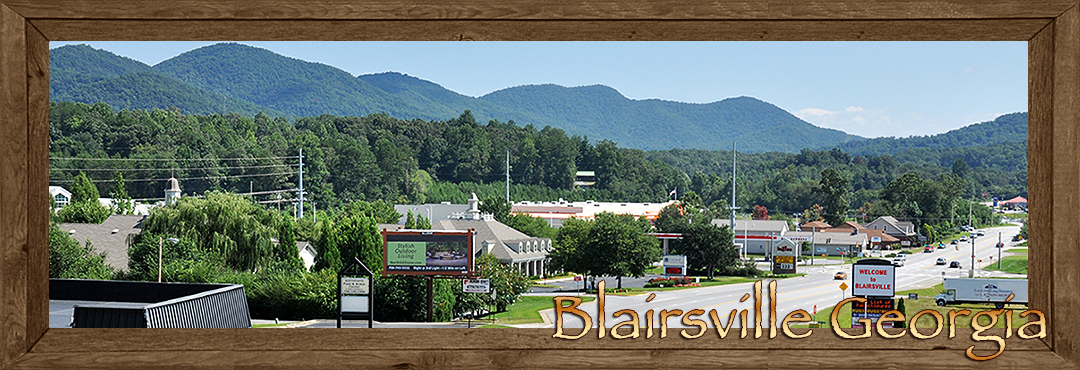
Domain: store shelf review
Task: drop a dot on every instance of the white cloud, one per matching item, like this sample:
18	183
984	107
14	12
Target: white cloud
853	120
969	70
814	112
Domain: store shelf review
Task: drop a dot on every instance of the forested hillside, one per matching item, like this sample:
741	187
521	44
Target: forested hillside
378	157
1008	128
234	78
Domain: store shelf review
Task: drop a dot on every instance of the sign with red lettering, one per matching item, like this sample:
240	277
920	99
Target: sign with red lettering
874	278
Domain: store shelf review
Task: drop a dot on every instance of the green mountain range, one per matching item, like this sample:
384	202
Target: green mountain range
230	77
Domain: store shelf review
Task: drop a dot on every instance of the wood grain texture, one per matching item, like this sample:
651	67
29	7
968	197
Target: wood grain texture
1066	178
37	267
1054	161
13	170
547	359
540	10
1040	171
277	339
138	30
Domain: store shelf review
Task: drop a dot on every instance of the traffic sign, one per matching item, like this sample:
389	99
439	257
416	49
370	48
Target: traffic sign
577	277
843	286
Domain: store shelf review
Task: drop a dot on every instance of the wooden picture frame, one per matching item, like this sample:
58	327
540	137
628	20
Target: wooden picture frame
1051	28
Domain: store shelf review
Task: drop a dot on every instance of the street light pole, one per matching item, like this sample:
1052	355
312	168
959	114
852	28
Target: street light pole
972	273
999	245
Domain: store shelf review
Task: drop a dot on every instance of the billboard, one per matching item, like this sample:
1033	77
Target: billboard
428	252
873	278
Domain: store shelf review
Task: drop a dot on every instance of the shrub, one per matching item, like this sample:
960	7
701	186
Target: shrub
668	282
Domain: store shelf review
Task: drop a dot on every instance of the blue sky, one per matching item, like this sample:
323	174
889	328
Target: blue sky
870	89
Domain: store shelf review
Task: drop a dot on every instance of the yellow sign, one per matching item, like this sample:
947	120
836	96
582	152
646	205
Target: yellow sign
843	286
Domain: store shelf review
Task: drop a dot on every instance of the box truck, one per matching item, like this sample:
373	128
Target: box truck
994	291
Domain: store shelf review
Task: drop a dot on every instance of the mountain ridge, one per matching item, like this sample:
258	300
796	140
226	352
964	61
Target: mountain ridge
234	77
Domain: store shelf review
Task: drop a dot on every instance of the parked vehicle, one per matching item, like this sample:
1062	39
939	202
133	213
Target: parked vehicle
954	264
941	261
994	291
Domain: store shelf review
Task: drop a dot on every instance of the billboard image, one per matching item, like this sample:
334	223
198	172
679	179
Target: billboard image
427	252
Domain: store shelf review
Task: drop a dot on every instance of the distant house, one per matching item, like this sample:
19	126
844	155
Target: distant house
113	236
834	243
756	236
307	254
1016	203
903	230
814	226
60	196
878	238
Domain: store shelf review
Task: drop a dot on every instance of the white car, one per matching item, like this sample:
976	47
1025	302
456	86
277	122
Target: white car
898	262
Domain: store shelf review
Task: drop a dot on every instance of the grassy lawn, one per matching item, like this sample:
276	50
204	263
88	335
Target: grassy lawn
270	325
526	310
1016	264
926	301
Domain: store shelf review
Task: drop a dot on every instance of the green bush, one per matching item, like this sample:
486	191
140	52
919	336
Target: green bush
85	212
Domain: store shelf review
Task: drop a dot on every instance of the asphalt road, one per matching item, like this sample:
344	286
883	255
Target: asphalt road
817	289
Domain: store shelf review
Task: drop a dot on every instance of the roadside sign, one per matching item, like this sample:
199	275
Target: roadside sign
794	238
873	277
476	285
355	286
843	286
872	309
675	264
577	277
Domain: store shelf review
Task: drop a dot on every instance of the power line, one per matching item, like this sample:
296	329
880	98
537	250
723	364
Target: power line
168	169
186	178
168	159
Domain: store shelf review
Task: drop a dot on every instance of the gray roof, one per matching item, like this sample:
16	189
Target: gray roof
833	238
431	211
101	235
759	226
503	240
901	227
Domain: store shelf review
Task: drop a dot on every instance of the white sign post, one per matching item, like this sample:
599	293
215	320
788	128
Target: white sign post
476	285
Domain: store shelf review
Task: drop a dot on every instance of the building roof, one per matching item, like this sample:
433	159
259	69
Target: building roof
104	239
433	212
754	226
870	233
899	226
562	209
811	226
833	238
1016	200
505	243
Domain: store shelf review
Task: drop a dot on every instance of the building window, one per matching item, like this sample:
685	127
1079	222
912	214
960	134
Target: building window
61	201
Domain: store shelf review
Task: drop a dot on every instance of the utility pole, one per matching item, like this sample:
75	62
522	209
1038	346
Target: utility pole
969	215
507	176
733	208
301	183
